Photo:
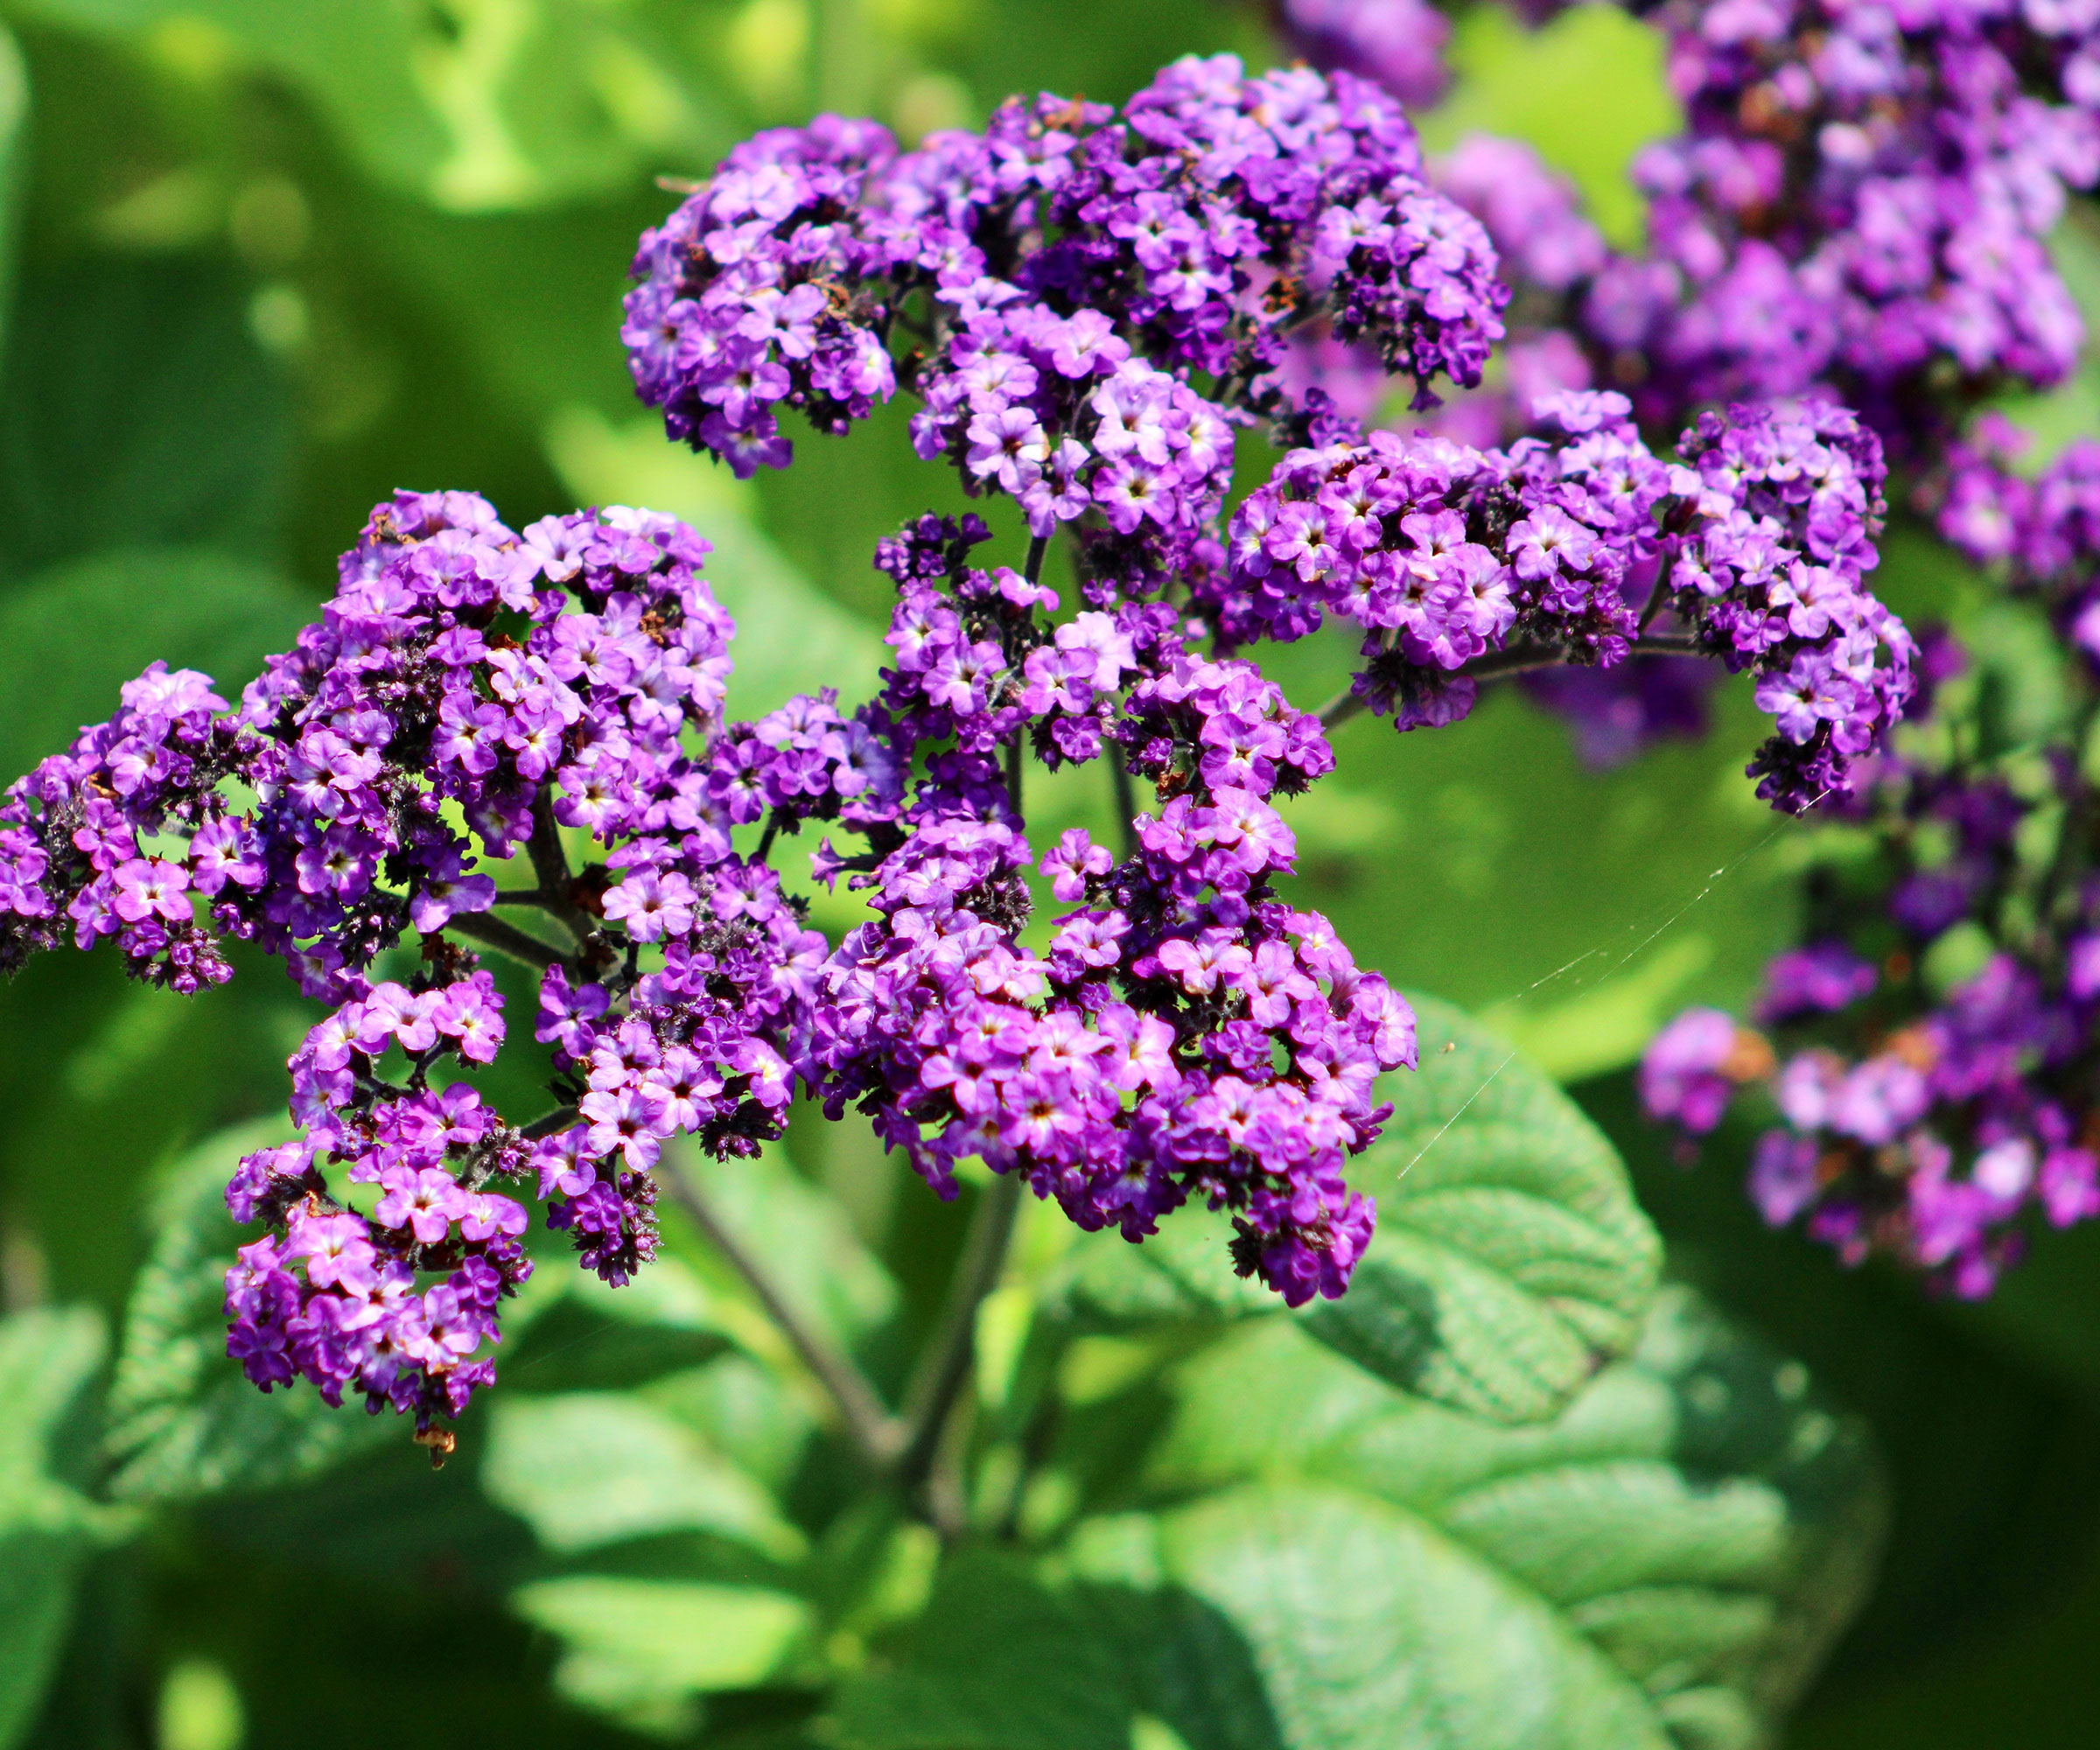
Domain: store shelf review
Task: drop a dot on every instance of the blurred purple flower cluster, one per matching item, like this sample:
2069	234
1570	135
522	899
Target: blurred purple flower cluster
1858	208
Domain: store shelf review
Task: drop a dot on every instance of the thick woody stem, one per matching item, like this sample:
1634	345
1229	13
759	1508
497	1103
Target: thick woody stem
878	1436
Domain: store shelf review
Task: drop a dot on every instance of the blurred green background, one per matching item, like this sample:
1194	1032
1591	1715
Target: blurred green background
269	259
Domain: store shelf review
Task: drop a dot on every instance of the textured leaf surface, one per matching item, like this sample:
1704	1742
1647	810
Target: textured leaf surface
183	1420
999	1662
1373	1631
1510	1257
1665	1562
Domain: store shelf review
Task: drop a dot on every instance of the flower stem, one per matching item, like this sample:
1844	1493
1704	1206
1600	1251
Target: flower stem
944	1368
478	926
1126	799
1521	658
550	864
878	1436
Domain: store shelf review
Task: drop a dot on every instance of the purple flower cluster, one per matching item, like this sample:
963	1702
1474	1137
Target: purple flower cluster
1857	207
1858	201
1930	1146
1182	1032
1861	194
519	684
1459	561
1088	305
1397	44
1923	1119
1059	279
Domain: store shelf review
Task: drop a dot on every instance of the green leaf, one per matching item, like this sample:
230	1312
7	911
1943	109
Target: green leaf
71	637
586	1468
999	1662
820	1265
1371	1630
642	1649
1666	1563
48	1360
183	1422
1510	1257
138	411
1005	1658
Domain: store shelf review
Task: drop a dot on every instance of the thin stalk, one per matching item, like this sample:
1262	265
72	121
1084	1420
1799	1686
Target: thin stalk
478	926
1126	800
1656	597
944	1368
550	864
1013	773
946	1484
1032	568
878	1436
559	1119
1519	659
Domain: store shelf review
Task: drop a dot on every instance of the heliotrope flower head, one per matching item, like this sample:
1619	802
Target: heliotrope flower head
1086	303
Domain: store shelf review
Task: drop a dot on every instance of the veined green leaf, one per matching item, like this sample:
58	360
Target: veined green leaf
1510	1257
183	1420
1665	1562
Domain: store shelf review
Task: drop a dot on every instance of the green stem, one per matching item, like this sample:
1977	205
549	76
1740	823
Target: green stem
478	926
878	1436
944	1368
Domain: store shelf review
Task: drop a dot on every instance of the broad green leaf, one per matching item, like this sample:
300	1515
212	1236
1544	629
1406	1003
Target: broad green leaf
136	412
641	1650
183	1420
47	1529
586	1468
1370	1629
1510	1257
71	637
791	638
1697	1521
